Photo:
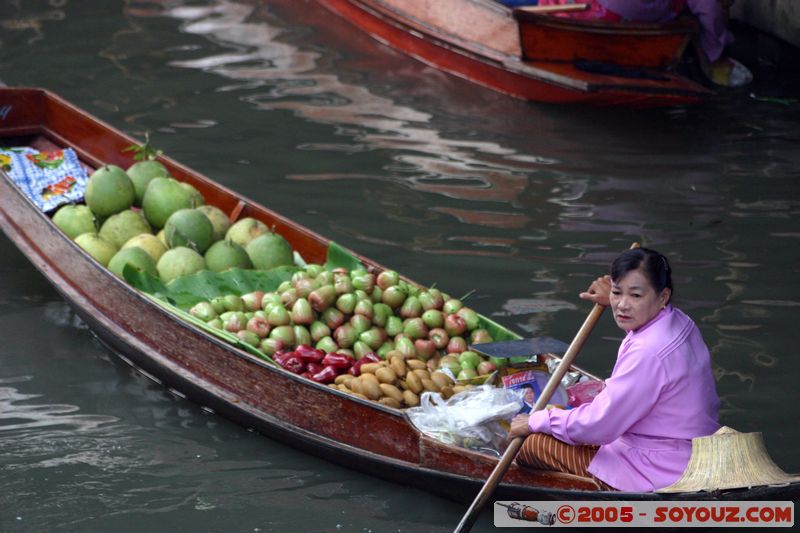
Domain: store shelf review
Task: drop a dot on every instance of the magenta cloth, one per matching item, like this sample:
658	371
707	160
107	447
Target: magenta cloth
645	10
660	395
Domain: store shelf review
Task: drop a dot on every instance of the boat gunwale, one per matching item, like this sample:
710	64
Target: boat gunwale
528	71
679	26
84	305
55	137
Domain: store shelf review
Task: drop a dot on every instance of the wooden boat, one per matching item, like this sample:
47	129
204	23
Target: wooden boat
234	383
532	56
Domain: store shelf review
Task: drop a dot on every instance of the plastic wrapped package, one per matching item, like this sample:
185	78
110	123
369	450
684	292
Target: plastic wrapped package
584	392
470	419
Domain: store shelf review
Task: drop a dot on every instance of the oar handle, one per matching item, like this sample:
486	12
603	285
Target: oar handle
569	356
513	447
554	9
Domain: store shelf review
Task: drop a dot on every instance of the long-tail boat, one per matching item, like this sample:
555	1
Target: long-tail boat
231	381
534	56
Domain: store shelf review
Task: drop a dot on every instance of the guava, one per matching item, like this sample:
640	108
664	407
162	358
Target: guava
245	230
109	191
226	254
121	227
134	256
97	247
269	250
197	198
75	220
142	173
189	227
218	219
177	262
163	197
149	243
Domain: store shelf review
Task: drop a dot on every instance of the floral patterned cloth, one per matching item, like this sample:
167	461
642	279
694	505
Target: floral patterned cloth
49	179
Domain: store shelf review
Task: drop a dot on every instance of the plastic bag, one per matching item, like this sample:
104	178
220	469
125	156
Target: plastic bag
584	392
470	419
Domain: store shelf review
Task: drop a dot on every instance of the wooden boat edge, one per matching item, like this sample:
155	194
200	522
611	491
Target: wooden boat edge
220	403
508	74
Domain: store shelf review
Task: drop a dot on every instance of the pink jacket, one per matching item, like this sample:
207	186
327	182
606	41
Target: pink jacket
660	395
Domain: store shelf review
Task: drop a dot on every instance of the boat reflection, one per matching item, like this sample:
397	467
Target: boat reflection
271	73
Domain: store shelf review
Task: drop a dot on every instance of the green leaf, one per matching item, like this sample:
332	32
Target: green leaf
145	151
186	291
497	331
143	281
339	257
222	334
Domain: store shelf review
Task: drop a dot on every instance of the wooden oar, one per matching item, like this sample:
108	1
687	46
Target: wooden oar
511	452
554	9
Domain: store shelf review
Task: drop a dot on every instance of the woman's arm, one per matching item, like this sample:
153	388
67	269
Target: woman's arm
630	394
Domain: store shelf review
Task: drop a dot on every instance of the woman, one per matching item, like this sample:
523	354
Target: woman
636	434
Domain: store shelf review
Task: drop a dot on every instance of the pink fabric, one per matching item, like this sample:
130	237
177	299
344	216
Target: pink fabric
596	11
660	395
714	36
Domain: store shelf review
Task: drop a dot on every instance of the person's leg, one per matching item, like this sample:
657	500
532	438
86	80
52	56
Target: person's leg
545	452
714	34
714	37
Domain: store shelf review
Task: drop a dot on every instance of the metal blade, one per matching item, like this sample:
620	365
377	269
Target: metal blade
521	347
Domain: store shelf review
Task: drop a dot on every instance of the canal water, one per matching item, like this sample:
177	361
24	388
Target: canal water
521	204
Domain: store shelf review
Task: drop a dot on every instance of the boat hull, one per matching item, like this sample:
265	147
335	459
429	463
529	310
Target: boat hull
189	361
504	69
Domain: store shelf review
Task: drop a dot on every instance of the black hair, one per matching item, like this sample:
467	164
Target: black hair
655	266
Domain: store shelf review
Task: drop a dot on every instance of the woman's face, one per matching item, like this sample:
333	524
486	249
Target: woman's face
634	301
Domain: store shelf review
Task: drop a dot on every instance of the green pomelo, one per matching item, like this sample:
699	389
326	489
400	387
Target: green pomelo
177	262
197	198
226	254
142	173
218	219
163	197
245	230
269	250
149	243
136	257
162	236
190	228
97	247
120	228
75	220
109	191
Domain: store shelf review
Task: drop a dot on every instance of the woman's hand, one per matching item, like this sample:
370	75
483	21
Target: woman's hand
599	291
519	427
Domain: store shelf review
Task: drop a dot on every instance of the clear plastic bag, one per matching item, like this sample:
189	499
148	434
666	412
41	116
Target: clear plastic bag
470	419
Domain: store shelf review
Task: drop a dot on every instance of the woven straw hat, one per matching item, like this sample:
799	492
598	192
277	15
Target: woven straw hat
727	460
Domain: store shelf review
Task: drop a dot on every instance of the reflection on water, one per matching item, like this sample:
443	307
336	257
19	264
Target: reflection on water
17	417
270	73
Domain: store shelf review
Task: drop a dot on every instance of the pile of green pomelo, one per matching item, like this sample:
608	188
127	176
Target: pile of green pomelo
157	224
145	218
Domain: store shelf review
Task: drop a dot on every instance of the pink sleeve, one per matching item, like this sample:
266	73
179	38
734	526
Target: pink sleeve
630	393
714	35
